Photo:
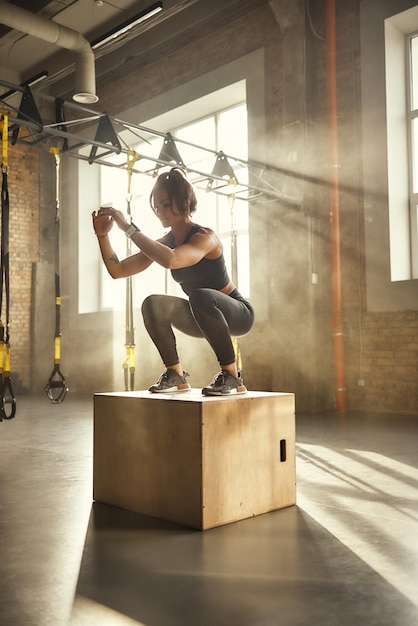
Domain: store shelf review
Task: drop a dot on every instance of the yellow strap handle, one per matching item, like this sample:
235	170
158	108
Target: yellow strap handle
237	350
132	158
130	358
55	151
4	125
5	357
7	366
2	346
57	350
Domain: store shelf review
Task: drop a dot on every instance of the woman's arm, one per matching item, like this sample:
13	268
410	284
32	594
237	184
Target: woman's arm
202	244
127	267
117	269
190	253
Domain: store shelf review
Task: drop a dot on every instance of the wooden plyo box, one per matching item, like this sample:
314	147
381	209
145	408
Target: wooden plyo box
195	460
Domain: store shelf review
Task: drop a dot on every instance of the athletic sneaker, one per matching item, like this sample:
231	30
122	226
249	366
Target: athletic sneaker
225	384
170	382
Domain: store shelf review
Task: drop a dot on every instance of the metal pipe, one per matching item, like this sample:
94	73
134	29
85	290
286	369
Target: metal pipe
47	30
336	282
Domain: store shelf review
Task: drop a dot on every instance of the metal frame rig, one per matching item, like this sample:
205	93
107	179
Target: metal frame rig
92	136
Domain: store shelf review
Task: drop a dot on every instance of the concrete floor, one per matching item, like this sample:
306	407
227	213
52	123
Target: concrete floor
347	554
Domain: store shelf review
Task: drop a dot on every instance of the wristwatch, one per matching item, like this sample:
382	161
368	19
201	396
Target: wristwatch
131	230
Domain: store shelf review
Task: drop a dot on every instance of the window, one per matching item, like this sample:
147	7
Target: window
412	107
224	130
389	263
223	104
401	70
397	151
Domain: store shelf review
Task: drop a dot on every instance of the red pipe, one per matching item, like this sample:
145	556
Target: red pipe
337	316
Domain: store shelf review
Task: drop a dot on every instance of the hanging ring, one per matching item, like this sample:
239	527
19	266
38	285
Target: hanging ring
56	389
7	399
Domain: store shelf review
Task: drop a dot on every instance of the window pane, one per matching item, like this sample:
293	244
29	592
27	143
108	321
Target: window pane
225	225
233	130
414	155
414	72
114	189
202	133
412	92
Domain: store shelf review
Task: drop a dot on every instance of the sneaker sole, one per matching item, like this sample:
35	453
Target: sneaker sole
175	389
236	391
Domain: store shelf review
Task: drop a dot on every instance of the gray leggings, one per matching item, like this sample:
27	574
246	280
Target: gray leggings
208	313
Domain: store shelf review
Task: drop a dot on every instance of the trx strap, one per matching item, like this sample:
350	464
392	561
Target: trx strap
234	261
7	397
56	387
129	363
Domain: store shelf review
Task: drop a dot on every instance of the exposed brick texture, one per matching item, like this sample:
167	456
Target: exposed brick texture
23	183
390	364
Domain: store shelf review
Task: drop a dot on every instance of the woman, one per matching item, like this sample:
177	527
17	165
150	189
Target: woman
194	254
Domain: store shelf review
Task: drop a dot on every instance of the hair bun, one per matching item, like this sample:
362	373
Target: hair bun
180	170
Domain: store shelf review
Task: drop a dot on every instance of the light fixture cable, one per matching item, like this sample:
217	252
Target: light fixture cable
126	26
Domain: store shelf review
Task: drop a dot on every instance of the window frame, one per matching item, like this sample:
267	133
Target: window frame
111	295
412	140
384	168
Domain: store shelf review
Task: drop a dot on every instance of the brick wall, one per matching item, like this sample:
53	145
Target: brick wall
23	182
390	363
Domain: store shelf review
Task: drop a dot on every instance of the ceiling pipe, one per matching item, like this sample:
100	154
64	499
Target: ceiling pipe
47	30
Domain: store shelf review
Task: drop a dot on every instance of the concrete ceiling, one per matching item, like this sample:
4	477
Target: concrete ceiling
22	56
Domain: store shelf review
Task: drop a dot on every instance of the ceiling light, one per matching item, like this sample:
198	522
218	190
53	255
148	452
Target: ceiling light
127	25
85	98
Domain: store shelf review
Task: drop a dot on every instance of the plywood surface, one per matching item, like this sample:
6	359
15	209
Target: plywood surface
194	460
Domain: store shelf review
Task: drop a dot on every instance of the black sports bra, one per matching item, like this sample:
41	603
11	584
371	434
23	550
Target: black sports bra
206	273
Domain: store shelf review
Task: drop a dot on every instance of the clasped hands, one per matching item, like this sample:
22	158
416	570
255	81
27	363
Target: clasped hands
104	218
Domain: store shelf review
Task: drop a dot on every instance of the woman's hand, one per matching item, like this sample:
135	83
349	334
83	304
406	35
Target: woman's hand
115	215
102	224
103	220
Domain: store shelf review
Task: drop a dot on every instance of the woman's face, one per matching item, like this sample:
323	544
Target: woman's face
166	210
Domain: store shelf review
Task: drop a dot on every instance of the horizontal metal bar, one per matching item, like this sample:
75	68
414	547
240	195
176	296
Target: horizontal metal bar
59	129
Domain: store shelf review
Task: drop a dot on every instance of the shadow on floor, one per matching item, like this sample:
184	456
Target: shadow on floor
278	569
